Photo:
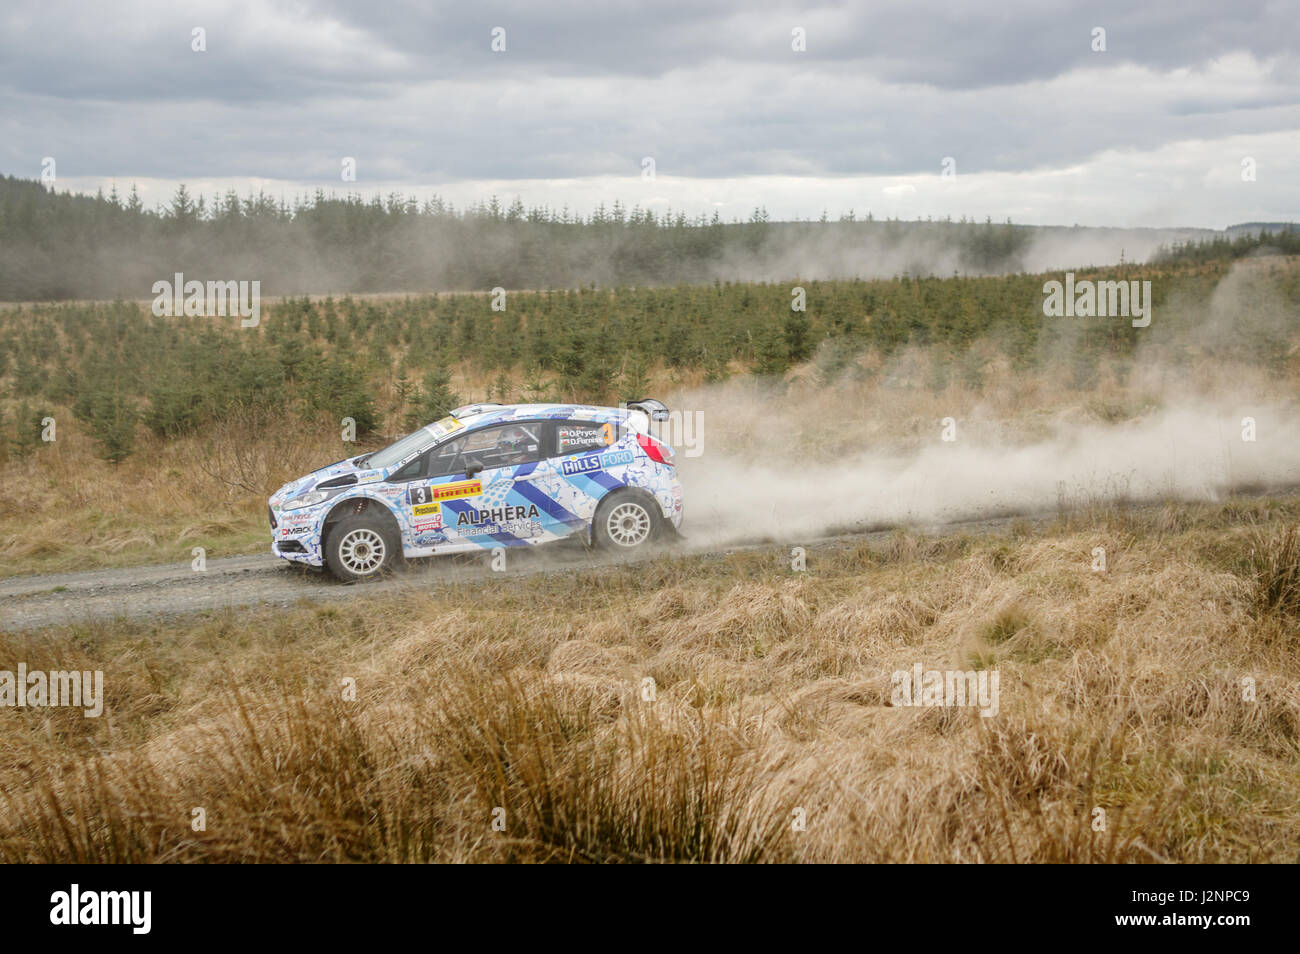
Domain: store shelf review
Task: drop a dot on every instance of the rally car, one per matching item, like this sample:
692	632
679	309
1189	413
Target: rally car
486	476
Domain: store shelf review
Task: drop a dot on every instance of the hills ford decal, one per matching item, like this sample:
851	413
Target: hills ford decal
585	465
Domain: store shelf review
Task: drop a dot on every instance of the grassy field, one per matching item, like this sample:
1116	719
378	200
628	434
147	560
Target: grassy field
1160	691
698	707
217	419
64	509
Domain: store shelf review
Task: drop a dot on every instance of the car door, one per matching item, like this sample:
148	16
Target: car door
540	485
419	510
589	459
483	490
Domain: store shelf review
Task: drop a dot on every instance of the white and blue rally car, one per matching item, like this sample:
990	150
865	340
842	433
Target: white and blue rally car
486	476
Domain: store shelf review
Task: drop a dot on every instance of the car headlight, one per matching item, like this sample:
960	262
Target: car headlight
306	500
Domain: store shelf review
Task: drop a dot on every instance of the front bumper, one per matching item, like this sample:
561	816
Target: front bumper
296	535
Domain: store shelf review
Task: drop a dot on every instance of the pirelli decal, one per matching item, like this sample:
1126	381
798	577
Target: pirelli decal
463	488
426	500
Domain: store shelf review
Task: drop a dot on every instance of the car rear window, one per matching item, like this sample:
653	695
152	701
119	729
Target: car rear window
577	437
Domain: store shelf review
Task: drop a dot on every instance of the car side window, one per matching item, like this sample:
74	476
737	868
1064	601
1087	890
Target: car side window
578	437
502	445
445	457
411	471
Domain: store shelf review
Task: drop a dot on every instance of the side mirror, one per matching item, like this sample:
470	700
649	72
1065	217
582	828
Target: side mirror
473	468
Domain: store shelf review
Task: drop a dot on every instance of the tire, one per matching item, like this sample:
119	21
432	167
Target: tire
360	548
625	522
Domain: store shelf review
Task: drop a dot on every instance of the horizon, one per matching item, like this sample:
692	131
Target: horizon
607	211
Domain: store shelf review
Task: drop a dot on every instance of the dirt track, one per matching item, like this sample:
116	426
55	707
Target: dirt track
176	589
31	602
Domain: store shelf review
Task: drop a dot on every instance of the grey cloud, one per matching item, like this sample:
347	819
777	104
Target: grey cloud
413	91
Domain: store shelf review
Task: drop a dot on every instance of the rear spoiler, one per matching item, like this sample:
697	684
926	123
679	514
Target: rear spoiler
655	410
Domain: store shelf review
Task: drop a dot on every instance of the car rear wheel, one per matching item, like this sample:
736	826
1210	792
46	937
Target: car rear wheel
625	522
361	548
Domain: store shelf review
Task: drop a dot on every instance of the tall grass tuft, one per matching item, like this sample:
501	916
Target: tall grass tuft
1274	562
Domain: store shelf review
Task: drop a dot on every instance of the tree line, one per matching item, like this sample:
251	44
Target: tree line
59	246
389	362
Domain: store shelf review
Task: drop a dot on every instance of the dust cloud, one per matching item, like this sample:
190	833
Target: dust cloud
1193	452
1204	408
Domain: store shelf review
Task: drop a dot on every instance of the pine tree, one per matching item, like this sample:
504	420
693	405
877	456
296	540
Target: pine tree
433	401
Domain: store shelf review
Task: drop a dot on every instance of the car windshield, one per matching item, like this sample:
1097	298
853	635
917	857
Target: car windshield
399	451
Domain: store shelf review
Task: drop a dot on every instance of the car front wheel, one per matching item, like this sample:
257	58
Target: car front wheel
360	548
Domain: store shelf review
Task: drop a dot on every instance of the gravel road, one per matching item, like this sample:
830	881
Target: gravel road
174	590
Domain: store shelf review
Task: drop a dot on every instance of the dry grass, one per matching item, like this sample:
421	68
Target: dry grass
1121	691
1275	564
64	509
1160	694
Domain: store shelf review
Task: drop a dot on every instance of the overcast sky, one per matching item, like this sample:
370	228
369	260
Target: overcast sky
1041	128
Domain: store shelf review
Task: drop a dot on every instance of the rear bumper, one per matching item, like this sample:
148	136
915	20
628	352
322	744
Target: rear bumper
671	502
